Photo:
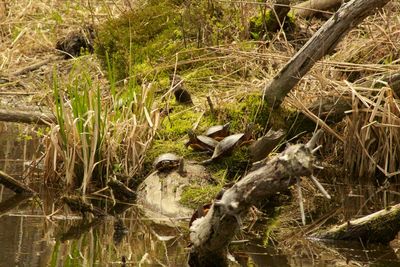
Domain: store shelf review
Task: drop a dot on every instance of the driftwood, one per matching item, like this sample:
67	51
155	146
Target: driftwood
322	43
15	185
34	117
379	227
311	7
210	235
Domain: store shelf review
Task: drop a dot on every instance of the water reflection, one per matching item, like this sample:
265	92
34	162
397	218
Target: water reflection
30	237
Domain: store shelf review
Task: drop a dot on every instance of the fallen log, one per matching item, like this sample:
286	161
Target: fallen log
14	185
311	7
210	235
34	117
379	227
323	42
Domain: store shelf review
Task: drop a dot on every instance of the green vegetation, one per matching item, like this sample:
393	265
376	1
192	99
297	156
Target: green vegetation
95	133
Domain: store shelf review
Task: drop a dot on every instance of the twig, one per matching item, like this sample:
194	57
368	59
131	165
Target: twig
210	103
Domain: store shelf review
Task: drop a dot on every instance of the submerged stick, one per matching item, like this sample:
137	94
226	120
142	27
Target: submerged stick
320	187
301	204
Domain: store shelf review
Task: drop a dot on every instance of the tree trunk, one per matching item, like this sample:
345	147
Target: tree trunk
210	235
323	42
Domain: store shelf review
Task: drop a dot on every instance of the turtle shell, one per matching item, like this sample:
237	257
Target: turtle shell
227	145
201	142
166	161
218	132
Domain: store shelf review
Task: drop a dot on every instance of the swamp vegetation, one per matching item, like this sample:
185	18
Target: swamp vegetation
97	82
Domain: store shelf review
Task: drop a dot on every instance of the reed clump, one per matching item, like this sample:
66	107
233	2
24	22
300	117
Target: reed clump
101	131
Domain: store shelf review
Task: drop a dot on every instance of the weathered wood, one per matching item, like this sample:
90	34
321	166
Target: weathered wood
21	116
210	235
379	227
14	185
311	7
322	43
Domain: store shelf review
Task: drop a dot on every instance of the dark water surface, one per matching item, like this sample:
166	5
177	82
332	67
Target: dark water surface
30	237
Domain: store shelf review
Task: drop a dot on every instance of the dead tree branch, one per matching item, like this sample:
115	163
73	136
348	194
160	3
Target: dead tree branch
323	42
211	234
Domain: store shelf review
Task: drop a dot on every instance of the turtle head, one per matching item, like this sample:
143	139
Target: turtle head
226	126
249	131
192	137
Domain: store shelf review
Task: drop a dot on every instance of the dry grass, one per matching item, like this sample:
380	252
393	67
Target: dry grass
81	141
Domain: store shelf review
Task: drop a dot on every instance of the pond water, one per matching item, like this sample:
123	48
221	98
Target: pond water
33	233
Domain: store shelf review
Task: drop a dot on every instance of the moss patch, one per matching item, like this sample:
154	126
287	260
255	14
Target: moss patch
194	197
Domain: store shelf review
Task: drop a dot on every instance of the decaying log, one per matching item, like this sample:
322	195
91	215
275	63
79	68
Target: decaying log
311	7
322	43
210	235
42	118
14	185
379	227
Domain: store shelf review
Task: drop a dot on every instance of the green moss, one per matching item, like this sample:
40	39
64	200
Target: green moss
272	224
194	197
142	35
266	22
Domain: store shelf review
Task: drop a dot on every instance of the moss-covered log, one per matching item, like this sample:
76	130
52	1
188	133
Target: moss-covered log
379	227
322	43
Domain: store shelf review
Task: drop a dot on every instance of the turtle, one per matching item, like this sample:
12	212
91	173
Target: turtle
218	132
201	142
167	161
228	144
